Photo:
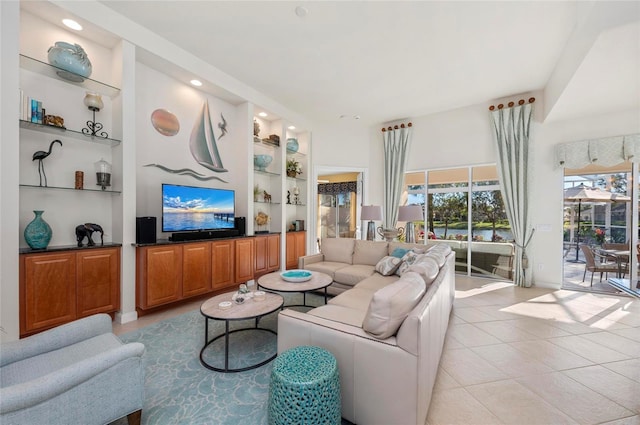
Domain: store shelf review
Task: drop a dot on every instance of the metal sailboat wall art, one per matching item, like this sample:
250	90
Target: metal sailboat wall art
203	142
203	147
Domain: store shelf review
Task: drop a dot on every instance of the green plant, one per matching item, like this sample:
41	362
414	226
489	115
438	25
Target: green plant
256	192
293	167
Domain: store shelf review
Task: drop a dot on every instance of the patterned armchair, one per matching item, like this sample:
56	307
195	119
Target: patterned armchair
78	373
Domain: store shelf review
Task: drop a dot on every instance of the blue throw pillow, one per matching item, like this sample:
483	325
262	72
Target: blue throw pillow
399	252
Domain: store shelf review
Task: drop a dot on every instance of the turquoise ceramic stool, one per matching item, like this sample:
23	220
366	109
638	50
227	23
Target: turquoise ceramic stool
305	388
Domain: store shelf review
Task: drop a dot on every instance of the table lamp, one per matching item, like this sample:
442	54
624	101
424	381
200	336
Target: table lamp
409	214
371	213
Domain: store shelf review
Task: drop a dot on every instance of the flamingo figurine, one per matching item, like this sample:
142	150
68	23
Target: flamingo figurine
40	155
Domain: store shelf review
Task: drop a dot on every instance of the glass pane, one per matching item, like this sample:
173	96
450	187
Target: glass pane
327	216
449	217
596	219
345	215
492	248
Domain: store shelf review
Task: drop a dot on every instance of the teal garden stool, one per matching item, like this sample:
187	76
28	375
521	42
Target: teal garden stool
305	388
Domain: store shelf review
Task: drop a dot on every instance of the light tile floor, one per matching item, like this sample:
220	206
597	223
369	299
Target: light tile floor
528	356
538	356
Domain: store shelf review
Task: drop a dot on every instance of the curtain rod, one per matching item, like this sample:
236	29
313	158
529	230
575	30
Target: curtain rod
511	104
395	127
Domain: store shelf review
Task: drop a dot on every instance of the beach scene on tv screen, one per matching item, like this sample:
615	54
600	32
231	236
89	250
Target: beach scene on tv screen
194	208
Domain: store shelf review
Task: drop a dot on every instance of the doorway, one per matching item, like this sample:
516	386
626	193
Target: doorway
338	194
598	230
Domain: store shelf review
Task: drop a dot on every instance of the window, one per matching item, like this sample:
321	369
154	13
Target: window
460	202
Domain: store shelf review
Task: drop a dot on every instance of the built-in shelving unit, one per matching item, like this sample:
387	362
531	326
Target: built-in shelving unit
62	93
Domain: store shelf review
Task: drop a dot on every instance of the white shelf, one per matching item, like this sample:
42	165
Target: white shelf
42	68
65	132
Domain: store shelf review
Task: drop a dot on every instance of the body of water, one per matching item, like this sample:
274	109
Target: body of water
176	222
486	234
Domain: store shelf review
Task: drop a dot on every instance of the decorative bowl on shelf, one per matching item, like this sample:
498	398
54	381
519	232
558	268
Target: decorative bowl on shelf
72	59
261	162
292	145
296	276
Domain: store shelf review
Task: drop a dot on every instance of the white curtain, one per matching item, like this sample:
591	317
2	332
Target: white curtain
606	151
397	140
512	127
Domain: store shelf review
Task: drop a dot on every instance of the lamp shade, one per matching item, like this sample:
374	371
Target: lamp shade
371	212
409	213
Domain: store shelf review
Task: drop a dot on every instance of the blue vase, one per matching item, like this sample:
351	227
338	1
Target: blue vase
38	233
292	145
71	58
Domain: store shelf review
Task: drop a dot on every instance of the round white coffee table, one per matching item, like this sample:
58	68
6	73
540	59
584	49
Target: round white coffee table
250	309
274	282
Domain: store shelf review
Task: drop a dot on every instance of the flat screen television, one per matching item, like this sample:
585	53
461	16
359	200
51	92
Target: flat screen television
190	208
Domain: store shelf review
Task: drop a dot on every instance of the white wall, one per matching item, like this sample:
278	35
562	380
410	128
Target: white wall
9	148
155	90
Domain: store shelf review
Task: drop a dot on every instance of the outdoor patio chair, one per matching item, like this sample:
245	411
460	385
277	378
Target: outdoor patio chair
595	263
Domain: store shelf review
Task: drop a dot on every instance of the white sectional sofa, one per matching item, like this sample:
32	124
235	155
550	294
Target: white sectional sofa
386	332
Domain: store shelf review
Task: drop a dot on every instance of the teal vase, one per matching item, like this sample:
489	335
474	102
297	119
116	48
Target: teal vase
38	232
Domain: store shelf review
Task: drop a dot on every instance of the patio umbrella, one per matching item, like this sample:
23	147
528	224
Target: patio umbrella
584	193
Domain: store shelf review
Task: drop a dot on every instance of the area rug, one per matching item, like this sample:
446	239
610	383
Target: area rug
179	390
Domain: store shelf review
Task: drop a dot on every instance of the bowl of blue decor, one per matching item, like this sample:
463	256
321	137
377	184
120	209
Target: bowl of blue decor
261	162
296	275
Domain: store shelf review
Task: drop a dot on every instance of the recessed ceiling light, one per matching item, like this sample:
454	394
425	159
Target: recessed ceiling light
263	114
292	127
196	83
72	24
301	11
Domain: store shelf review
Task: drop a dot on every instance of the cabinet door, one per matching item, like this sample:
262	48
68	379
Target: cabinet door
160	275
261	249
222	258
244	260
98	281
273	253
196	269
296	248
47	291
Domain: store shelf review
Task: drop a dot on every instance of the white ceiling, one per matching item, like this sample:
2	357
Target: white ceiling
388	60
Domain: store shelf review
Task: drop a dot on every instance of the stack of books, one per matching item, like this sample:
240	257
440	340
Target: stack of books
31	109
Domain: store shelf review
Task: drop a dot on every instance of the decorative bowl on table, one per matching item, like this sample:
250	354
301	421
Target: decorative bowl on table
261	162
296	276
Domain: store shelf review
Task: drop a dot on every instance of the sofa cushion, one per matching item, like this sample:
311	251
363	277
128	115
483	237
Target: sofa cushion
390	305
427	267
356	298
339	313
376	281
439	253
339	250
388	265
369	252
350	275
327	267
407	260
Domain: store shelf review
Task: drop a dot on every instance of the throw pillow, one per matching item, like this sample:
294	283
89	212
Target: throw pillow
388	265
392	304
407	261
399	252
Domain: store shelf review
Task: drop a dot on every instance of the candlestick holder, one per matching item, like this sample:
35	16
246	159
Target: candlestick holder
93	101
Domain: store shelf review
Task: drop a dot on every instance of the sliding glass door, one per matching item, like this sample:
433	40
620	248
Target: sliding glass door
464	209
